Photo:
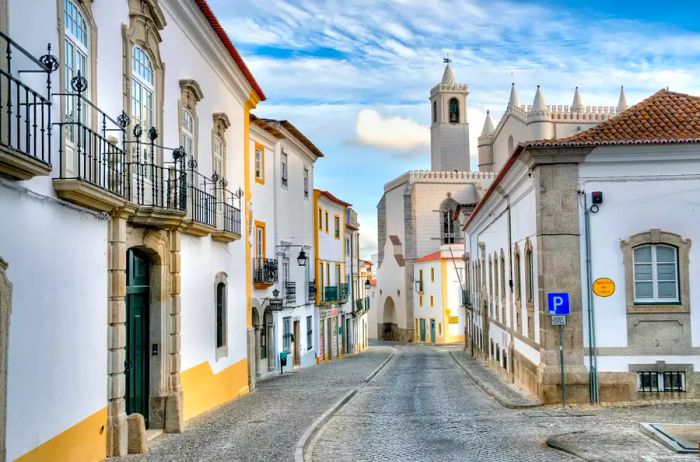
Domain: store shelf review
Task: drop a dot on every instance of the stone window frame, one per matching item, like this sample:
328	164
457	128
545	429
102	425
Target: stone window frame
652	237
490	285
221	278
530	288
146	20
221	123
190	94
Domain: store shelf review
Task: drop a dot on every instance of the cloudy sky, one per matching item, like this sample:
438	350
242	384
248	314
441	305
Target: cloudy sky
355	75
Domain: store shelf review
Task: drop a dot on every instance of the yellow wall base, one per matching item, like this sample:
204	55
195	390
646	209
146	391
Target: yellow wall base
203	390
84	441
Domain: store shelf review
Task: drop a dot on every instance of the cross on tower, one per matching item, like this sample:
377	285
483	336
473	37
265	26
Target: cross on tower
447	59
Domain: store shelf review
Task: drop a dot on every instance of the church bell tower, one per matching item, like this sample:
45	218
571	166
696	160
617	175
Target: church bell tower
449	130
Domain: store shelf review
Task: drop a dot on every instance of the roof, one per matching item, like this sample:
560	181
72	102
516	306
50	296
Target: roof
373	282
430	257
332	198
297	134
265	126
226	41
666	117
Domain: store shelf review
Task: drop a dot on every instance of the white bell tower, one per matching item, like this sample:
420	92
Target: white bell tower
449	130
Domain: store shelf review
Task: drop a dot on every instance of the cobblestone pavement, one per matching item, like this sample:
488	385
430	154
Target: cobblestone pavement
266	425
421	406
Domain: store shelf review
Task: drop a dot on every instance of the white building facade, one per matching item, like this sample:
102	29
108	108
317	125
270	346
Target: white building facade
127	193
605	216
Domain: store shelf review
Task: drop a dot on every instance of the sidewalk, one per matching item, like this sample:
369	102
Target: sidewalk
506	394
266	425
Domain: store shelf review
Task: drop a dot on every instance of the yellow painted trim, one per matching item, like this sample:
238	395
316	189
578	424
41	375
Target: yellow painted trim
253	100
261	224
203	390
317	222
259	179
335	215
84	441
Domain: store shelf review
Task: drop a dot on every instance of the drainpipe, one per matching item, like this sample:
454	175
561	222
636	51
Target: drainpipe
592	359
511	359
352	290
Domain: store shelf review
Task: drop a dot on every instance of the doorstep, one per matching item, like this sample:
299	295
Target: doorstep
683	438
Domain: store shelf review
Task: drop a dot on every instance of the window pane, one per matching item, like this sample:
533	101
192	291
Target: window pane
665	254
666	272
642	254
642	272
643	290
667	290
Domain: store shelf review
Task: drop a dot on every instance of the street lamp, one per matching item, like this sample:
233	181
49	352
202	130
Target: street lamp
367	284
275	303
301	258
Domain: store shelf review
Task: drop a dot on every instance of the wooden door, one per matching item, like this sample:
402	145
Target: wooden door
137	329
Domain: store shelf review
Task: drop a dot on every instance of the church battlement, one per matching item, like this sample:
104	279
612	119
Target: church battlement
428	176
455	87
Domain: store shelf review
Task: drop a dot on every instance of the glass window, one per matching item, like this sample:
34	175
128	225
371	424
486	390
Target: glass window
306	182
259	242
220	314
529	275
336	227
284	169
259	162
454	110
320	219
287	334
218	156
75	59
655	274
309	332
187	132
142	100
516	278
326	221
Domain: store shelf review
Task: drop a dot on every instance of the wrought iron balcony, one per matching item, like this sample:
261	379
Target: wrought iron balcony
264	271
25	114
290	292
466	299
202	201
344	291
330	294
230	205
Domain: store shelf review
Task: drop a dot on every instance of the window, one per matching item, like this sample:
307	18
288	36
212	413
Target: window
218	156
503	275
420	300
320	219
454	111
284	168
142	99
336	227
668	381
259	240
448	228
187	132
220	286
259	163
434	111
306	183
76	59
309	332
655	274
338	279
432	274
326	221
529	276
287	334
432	301
516	277
510	144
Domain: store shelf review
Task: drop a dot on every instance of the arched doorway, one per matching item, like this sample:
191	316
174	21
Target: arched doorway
267	343
137	332
389	327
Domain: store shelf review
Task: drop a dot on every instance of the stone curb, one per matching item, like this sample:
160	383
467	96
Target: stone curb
554	442
303	443
502	400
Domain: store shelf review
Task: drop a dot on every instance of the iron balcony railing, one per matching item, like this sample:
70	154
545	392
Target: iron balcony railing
344	291
290	292
264	271
232	213
362	304
330	293
25	115
466	300
203	203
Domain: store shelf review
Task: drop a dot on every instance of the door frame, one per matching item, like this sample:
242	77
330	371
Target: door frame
296	344
433	331
145	291
422	331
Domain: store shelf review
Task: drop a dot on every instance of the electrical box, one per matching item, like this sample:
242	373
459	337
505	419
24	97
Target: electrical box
283	358
597	197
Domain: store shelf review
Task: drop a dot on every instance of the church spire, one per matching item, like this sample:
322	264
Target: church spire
513	101
538	104
622	102
448	77
577	105
488	125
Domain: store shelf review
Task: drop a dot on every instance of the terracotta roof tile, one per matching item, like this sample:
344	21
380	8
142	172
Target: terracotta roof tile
430	257
666	117
332	198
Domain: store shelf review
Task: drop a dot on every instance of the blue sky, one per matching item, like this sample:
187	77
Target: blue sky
355	76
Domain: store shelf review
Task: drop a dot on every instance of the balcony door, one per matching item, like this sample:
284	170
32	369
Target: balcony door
137	332
295	344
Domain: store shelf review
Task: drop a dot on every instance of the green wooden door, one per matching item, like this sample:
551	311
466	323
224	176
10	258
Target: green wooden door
422	330
432	331
137	309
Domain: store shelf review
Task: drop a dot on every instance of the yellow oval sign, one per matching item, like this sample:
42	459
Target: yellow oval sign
603	287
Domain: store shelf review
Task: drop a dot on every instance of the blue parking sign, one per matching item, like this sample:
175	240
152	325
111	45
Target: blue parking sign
558	303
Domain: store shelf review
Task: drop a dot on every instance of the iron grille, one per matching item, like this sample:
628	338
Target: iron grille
265	271
290	292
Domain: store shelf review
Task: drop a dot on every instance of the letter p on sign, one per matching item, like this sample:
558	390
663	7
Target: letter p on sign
558	303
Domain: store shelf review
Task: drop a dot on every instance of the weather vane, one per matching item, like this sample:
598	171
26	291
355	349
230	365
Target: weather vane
447	59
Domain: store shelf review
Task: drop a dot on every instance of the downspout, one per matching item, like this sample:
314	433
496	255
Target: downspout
510	284
592	359
352	289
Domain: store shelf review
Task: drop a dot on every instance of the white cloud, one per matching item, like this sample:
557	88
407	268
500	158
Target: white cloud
395	133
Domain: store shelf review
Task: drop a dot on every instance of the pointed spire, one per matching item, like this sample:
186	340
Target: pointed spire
513	101
538	104
577	105
448	77
622	102
488	125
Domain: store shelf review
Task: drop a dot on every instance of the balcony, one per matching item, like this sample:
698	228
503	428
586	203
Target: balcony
311	293
25	115
202	202
330	294
361	304
344	292
230	214
264	272
290	293
466	300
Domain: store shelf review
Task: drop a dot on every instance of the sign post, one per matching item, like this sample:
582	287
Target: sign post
558	306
